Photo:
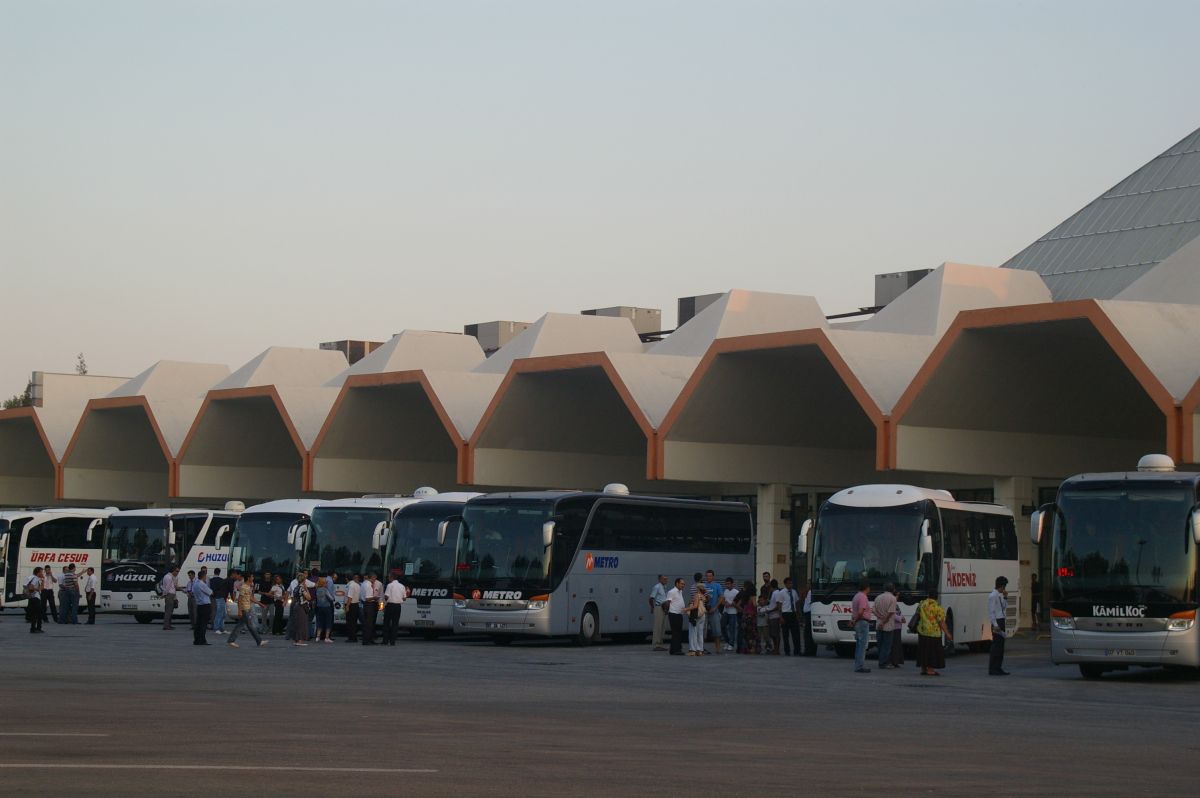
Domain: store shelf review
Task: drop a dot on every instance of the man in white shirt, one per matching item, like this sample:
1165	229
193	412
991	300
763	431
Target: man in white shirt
998	612
90	583
168	592
352	607
658	598
393	598
675	605
371	593
810	645
789	602
729	615
191	599
49	585
33	599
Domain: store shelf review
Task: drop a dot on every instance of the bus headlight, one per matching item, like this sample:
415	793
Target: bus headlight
1181	621
537	602
537	605
1062	620
460	604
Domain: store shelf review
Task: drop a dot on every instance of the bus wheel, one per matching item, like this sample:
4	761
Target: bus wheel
844	650
430	635
1090	671
502	640
143	617
589	627
946	642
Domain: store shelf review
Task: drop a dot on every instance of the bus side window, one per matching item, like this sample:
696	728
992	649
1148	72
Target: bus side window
61	533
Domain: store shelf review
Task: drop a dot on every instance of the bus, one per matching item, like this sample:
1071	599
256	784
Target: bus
1124	568
350	536
425	568
273	538
143	545
56	537
572	563
922	541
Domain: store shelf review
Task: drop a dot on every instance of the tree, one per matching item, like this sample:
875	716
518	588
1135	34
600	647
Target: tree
21	399
80	364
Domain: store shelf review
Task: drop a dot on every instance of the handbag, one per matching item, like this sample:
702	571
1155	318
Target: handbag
914	620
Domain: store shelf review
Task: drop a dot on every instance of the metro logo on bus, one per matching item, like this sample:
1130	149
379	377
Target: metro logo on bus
592	561
959	578
58	556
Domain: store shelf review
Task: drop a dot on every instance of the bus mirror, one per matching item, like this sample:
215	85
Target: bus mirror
300	533
547	534
1196	526
220	534
95	523
444	528
377	535
802	541
171	537
926	538
1035	527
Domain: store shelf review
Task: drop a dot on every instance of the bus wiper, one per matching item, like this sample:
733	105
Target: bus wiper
836	587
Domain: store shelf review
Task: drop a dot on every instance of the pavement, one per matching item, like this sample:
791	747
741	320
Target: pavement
149	714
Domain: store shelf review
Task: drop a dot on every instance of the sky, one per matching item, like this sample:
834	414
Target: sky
201	180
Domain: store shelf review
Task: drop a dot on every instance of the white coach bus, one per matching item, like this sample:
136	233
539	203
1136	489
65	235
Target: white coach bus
425	568
559	563
55	537
922	541
143	545
1124	568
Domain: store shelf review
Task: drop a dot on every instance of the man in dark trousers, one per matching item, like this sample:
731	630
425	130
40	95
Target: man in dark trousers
675	605
33	599
49	585
997	612
372	591
352	607
90	583
203	595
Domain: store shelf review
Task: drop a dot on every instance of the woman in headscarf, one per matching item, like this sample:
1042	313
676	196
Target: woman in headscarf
931	626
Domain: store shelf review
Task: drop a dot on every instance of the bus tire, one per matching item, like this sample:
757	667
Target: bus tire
844	650
589	626
502	640
1089	671
947	643
143	617
431	635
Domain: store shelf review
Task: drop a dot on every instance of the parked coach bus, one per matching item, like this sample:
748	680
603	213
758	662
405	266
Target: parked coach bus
921	540
143	545
350	536
1124	568
273	538
425	568
582	564
56	537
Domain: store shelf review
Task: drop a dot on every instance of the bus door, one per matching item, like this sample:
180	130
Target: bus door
12	566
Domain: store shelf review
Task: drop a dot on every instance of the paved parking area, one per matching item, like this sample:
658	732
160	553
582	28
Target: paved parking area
456	717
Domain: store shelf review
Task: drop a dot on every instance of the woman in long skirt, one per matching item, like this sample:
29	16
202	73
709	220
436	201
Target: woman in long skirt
301	604
931	626
748	618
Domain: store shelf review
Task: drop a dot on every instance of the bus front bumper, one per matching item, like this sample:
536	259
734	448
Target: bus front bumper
1121	649
502	622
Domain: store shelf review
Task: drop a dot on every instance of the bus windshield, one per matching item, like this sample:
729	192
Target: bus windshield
137	539
342	537
1124	542
260	543
416	556
879	543
501	545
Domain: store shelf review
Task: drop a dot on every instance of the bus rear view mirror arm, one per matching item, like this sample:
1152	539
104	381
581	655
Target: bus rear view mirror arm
802	541
444	528
548	534
926	539
1196	526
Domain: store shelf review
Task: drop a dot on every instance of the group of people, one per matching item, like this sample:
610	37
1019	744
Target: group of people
745	620
40	590
300	611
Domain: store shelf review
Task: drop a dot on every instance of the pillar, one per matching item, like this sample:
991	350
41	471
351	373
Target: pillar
774	532
1017	493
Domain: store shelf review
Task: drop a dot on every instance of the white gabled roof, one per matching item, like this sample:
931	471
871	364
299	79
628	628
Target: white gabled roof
885	363
654	381
741	312
1175	280
465	396
1164	336
174	390
284	365
419	349
565	334
64	397
930	306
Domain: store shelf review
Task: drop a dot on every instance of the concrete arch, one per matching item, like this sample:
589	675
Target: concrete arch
562	420
243	444
28	469
118	453
387	432
779	407
1040	390
1190	425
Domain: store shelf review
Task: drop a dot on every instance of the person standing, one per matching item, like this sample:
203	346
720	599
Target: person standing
698	619
729	615
931	626
246	601
860	617
220	588
33	600
68	596
748	615
191	599
167	586
997	613
325	599
675	606
49	585
810	645
89	592
712	623
885	623
393	598
266	609
774	610
353	599
203	596
1035	603
301	607
789	602
896	659
658	599
371	592
277	599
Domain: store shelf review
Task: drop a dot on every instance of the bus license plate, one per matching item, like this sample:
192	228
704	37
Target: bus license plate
1119	652
492	625
422	623
129	606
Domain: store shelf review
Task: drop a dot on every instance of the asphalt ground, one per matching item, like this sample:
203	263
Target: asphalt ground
465	718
